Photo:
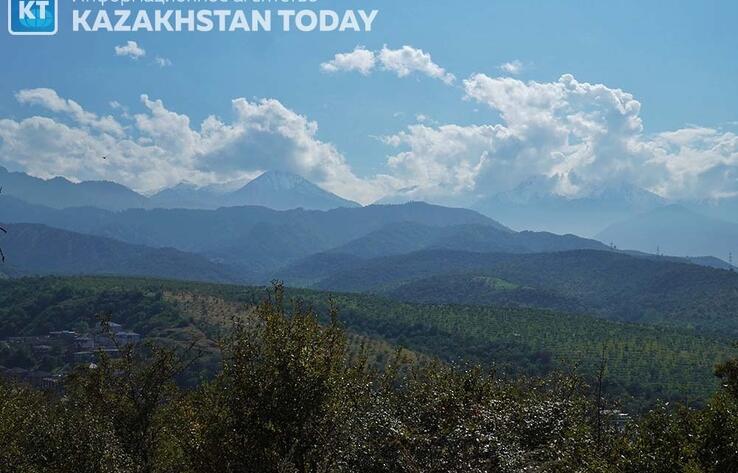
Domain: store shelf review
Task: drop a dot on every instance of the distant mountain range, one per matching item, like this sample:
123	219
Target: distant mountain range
40	250
534	205
724	209
257	240
273	189
675	230
258	243
59	193
415	252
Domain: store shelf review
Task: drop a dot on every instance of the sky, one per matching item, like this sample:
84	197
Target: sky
442	101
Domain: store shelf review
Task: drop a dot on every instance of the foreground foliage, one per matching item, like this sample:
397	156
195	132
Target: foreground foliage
290	397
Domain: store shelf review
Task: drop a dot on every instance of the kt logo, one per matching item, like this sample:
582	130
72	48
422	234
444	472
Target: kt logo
33	17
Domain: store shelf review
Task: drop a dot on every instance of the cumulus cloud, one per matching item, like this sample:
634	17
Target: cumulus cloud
575	137
49	99
403	62
360	60
441	162
407	60
513	67
581	136
131	49
161	147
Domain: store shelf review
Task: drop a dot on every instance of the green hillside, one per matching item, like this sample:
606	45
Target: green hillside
607	284
644	363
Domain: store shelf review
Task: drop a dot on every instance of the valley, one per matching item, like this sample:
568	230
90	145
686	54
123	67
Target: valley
645	363
441	282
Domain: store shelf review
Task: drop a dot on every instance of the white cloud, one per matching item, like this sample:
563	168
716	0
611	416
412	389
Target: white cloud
162	147
513	67
131	49
360	60
583	136
407	60
578	136
441	162
49	99
403	62
162	61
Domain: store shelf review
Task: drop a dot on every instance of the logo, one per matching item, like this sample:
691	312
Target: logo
33	17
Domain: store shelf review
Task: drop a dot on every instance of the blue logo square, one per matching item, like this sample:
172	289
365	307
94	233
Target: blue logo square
33	17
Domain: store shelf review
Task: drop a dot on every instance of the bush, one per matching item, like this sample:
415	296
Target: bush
291	397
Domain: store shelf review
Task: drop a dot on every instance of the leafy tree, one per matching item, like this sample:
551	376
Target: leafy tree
292	395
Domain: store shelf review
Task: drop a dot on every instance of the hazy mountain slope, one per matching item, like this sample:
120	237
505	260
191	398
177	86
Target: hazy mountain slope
206	229
276	190
707	261
534	205
404	237
283	191
723	209
393	239
676	231
273	189
311	270
237	234
38	249
186	196
60	193
268	246
609	284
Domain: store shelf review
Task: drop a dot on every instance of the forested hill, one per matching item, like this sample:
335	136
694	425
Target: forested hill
607	284
644	363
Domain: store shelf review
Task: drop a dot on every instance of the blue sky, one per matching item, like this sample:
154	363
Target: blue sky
678	60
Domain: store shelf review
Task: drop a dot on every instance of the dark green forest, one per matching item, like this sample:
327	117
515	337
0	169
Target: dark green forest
604	284
644	364
290	395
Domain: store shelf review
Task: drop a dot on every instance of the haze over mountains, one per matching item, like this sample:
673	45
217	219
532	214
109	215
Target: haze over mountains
674	230
535	206
274	189
414	252
38	249
61	193
258	228
257	240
